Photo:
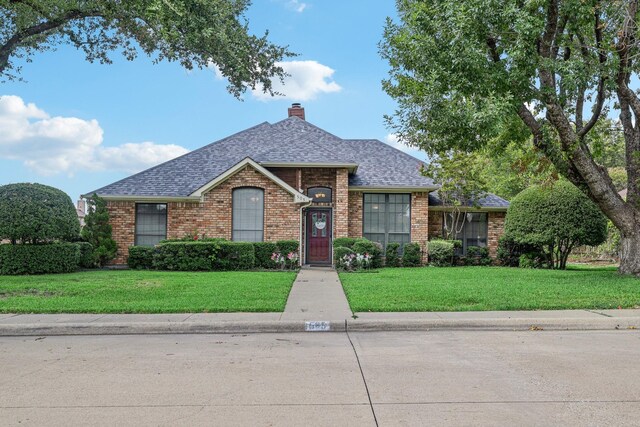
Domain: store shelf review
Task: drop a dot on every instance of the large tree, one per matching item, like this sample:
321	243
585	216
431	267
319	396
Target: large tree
196	33
469	73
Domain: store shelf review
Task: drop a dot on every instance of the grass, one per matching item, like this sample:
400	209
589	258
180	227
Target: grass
132	291
489	288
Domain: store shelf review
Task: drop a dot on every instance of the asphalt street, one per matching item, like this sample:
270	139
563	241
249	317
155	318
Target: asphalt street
333	379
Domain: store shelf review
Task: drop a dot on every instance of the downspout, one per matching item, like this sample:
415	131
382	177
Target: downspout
300	233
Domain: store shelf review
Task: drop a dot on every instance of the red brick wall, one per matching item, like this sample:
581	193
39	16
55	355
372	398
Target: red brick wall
420	221
213	216
122	217
355	213
288	175
435	224
496	229
341	211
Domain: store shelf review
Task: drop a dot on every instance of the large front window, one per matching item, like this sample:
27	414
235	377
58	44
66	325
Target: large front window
151	223
387	218
473	231
248	215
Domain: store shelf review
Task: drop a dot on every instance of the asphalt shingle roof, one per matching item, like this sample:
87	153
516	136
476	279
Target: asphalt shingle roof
488	201
292	140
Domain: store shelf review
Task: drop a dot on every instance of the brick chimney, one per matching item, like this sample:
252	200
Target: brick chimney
296	110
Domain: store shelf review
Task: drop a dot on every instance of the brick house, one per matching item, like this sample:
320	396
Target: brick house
290	180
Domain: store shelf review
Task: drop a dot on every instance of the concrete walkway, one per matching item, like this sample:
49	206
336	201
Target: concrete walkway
317	295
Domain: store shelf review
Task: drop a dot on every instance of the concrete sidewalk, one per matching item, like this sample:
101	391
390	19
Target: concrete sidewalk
233	323
316	296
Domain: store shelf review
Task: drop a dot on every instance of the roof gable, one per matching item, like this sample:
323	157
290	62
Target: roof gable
200	192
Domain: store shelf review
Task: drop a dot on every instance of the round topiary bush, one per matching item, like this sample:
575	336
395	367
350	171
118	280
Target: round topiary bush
36	213
557	218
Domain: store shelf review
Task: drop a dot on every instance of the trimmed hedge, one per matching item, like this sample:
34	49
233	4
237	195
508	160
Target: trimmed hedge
477	255
510	252
234	256
287	246
344	242
39	259
441	253
86	259
392	255
186	256
141	257
263	252
412	256
36	213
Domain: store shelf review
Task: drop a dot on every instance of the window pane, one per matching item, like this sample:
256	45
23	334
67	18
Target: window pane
248	215
151	223
387	218
474	230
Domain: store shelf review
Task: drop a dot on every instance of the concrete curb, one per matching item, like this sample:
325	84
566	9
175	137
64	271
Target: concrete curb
370	325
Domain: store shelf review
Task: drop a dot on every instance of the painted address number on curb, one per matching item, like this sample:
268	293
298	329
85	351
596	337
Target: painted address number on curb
317	326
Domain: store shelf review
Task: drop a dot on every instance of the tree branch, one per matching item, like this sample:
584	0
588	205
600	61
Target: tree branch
14	42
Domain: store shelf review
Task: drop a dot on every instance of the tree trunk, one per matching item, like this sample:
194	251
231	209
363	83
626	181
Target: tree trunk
630	254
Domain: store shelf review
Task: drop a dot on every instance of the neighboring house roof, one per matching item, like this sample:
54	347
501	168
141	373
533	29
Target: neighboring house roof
489	201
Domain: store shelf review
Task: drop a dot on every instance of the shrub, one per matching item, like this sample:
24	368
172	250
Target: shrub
344	242
36	213
86	259
39	259
141	257
264	252
340	252
510	251
97	231
558	219
392	255
441	253
477	255
234	256
186	256
374	249
412	255
354	261
287	246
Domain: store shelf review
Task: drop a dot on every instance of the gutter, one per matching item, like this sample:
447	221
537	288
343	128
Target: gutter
300	232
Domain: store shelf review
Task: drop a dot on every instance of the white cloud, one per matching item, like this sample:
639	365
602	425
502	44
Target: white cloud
51	145
393	140
306	80
296	5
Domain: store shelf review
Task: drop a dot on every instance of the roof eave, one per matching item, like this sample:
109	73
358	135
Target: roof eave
439	208
353	167
402	189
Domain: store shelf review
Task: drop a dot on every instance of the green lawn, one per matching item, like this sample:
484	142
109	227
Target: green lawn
489	288
130	291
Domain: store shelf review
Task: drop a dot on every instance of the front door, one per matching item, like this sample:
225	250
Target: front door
318	236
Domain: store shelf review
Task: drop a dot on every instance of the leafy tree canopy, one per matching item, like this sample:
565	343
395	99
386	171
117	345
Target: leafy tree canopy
36	213
195	33
559	218
471	73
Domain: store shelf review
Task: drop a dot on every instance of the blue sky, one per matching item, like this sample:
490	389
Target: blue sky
79	126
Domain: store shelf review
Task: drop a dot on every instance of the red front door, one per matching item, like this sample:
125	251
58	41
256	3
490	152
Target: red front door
319	236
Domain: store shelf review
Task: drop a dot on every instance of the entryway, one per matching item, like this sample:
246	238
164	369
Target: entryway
318	236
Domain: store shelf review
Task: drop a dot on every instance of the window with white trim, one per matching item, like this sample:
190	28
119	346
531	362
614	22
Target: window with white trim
248	214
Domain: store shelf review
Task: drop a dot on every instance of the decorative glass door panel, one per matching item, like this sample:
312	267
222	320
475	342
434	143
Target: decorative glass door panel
318	236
